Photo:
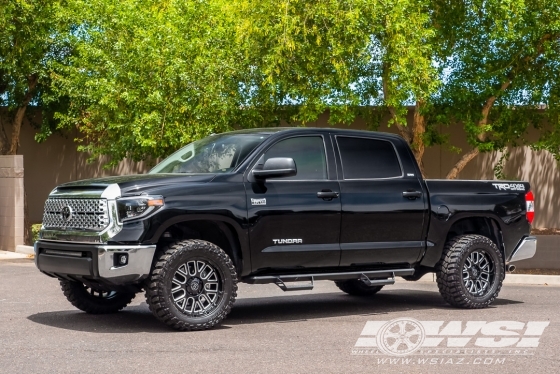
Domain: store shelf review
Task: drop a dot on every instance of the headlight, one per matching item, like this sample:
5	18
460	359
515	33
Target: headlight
136	207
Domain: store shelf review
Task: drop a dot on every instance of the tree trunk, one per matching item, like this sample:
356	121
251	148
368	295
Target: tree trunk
20	113
16	130
467	157
522	64
414	134
418	130
3	137
404	131
460	165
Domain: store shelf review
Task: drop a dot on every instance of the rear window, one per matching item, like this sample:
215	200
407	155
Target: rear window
368	158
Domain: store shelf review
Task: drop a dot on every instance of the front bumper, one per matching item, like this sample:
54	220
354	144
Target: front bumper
94	262
525	249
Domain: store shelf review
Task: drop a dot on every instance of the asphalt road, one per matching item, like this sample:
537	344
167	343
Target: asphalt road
268	331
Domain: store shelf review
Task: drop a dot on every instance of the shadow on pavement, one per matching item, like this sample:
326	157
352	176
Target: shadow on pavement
311	306
277	309
133	319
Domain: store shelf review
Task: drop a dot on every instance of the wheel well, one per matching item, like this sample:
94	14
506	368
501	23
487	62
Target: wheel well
218	233
478	225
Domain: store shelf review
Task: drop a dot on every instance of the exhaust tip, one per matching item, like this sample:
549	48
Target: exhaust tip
510	268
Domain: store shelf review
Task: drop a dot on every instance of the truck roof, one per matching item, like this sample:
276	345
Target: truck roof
274	130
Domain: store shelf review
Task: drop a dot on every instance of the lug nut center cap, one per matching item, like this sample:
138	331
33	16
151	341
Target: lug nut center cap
194	286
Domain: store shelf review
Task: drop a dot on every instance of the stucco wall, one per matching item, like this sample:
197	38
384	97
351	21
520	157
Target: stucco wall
57	161
11	202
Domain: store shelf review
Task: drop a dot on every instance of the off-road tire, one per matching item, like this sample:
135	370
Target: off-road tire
82	298
356	287
450	276
159	295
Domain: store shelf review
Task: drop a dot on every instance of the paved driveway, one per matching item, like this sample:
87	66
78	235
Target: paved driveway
269	331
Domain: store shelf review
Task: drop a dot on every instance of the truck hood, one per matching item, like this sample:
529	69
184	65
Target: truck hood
136	184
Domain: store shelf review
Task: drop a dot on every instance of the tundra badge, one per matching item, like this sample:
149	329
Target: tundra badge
258	201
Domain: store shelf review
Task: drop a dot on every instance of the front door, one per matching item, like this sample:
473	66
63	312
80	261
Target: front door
291	226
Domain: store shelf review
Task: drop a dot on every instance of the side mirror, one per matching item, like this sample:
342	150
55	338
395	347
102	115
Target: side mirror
276	167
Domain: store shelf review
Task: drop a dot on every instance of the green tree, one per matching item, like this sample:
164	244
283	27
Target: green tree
343	56
30	40
147	77
408	74
504	65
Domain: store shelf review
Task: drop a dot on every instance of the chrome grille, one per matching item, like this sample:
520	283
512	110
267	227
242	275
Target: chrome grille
86	214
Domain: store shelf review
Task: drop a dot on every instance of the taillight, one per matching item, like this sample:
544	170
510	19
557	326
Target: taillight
530	201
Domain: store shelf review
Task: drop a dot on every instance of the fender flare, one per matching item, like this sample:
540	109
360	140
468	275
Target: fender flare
226	225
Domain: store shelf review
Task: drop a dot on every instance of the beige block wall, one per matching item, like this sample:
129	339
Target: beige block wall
11	202
57	161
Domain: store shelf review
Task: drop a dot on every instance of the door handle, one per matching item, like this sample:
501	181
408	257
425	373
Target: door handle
412	194
327	194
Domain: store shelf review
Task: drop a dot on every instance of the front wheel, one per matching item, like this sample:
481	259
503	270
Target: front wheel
470	272
192	286
94	301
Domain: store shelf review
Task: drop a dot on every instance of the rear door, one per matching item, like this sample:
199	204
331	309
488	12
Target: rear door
290	225
383	202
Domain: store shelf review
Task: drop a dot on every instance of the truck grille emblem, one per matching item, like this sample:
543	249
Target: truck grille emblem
66	213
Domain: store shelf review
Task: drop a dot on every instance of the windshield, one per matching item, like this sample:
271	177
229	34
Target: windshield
214	154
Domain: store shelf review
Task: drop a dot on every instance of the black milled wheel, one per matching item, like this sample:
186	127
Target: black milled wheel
356	287
192	286
470	272
94	301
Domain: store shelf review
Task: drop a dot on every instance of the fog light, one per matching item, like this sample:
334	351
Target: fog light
120	259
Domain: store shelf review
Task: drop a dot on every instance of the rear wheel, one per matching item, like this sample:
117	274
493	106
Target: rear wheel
470	272
95	301
356	287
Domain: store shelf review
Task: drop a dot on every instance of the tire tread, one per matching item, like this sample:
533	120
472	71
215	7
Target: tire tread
355	287
155	283
449	271
78	296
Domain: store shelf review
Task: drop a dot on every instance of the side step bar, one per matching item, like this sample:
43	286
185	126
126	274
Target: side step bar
387	277
298	287
377	282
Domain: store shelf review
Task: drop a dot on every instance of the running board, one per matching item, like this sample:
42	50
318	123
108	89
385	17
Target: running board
363	275
377	282
298	287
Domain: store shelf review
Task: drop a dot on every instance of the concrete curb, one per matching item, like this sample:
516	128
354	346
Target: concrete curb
8	255
25	249
549	280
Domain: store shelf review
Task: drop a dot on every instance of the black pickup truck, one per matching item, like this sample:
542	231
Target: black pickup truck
288	206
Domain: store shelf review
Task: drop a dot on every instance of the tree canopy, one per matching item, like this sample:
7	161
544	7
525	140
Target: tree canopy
140	78
30	40
503	66
147	77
